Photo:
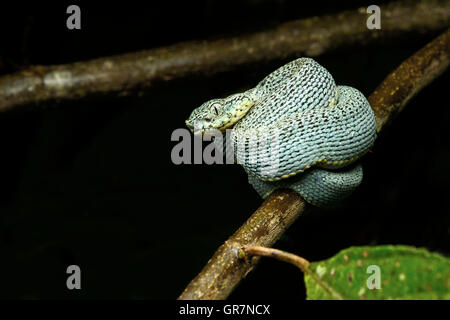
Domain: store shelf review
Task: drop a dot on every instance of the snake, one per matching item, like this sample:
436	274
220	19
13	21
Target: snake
295	129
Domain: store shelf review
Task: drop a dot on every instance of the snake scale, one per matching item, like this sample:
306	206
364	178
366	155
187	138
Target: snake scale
296	129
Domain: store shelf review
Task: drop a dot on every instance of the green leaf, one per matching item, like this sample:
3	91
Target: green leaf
405	273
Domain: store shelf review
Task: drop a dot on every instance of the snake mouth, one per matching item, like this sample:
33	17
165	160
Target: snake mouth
201	128
211	125
189	125
196	126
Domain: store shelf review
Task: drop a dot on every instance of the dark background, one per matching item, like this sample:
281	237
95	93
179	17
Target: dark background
92	183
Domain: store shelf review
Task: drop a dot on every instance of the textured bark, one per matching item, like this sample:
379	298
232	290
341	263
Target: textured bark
224	270
125	74
263	228
409	78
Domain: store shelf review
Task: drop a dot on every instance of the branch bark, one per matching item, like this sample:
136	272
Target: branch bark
225	270
127	73
391	96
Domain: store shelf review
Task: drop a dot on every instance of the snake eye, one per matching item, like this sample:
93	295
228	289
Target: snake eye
216	109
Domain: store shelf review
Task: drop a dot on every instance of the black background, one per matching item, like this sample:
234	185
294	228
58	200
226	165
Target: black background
92	183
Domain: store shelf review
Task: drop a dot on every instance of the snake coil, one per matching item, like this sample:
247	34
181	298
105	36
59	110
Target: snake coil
296	129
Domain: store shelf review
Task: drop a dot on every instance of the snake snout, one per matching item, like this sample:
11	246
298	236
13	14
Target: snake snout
197	127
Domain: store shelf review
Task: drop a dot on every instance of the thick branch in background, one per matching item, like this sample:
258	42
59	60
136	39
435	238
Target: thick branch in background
225	270
134	71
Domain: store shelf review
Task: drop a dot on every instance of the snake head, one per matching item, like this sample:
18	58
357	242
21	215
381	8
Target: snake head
219	114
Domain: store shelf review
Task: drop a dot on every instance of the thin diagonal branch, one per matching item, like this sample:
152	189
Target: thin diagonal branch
225	270
297	261
125	74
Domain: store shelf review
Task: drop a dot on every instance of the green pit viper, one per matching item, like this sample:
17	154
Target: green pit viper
296	129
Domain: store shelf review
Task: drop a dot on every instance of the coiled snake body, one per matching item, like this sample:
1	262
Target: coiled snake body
296	129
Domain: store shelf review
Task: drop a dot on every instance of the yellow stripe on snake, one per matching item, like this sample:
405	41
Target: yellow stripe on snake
296	129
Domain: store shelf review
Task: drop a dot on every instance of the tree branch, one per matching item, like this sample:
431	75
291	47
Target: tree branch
126	73
297	261
391	96
225	270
